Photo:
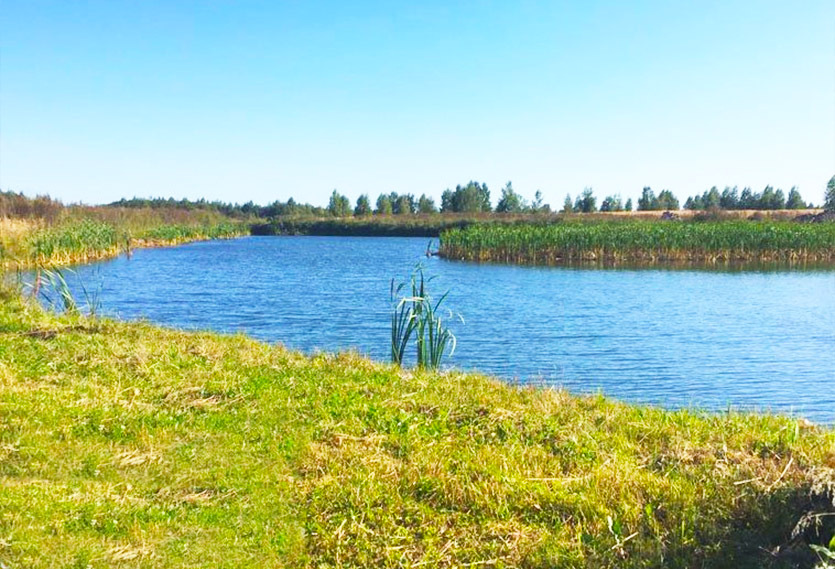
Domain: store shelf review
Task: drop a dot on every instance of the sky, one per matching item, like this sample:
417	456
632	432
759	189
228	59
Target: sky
238	100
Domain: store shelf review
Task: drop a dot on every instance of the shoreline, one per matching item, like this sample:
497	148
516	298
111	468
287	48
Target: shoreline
131	437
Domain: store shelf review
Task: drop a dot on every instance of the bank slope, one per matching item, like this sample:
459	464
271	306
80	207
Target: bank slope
133	446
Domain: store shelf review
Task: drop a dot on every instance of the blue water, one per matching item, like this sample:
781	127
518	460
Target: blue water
761	340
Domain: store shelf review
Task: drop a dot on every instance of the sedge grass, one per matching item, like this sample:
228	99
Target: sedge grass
126	445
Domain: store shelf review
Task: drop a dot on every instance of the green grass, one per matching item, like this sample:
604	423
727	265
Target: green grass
79	239
127	445
419	225
643	241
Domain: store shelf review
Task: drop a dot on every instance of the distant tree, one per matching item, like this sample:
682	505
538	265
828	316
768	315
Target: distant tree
771	199
586	202
829	196
536	204
711	199
747	199
611	203
473	197
779	199
426	204
647	201
339	205
729	198
567	206
628	206
447	201
795	201
510	202
667	201
384	206
363	207
404	205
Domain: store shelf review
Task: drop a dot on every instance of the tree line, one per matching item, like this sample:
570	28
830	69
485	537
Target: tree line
473	197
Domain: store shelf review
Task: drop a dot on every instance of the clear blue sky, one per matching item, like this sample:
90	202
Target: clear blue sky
242	100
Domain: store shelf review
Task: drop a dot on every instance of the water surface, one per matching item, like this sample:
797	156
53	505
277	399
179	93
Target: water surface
758	339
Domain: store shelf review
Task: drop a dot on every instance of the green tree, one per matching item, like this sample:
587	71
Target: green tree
647	201
747	199
384	206
770	199
404	205
611	203
363	206
473	197
711	199
628	206
829	196
426	204
667	201
795	201
339	205
567	206
729	198
536	205
447	201
510	202
586	202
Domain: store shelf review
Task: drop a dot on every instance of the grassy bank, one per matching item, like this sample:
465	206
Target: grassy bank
643	242
132	446
76	238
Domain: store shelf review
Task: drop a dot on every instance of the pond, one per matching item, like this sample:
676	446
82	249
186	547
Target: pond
678	338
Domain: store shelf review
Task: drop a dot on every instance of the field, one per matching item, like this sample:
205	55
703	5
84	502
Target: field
725	241
132	446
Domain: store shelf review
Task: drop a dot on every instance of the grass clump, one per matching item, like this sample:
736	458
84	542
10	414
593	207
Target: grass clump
643	241
133	446
419	315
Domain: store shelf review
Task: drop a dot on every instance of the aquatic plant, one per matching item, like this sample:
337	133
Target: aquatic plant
642	241
418	314
52	287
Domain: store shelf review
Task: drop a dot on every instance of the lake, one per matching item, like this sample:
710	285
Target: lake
718	340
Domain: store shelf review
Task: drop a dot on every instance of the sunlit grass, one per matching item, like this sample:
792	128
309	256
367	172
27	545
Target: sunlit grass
643	241
132	446
76	239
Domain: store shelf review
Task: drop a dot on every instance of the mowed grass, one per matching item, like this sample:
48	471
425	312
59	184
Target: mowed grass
643	241
127	445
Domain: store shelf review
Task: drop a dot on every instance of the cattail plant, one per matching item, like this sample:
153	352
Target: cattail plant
418	315
643	241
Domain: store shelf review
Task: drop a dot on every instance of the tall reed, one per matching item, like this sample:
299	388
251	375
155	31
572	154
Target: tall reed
643	241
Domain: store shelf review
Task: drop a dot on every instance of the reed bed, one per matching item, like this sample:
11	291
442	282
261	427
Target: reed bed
77	240
643	242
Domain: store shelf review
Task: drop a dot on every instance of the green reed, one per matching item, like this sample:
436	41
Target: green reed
417	314
73	241
642	241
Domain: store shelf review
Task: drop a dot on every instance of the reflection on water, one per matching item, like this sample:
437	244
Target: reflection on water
674	336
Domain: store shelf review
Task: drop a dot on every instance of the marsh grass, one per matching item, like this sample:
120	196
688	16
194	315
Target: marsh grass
727	241
73	239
